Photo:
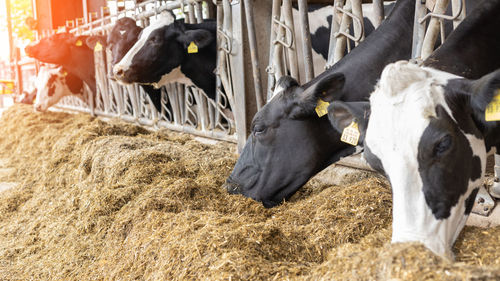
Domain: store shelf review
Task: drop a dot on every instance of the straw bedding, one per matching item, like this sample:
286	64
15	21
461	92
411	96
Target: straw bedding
108	200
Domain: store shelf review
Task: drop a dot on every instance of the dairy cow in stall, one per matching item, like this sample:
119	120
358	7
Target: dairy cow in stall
68	51
428	130
289	142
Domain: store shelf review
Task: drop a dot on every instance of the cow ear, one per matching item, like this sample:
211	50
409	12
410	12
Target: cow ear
484	91
343	114
78	41
202	38
327	86
93	40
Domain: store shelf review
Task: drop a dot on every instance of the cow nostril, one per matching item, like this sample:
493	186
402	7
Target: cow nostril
119	72
232	187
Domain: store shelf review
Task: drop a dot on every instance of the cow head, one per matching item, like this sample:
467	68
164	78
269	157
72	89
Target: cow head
122	37
52	84
428	134
289	143
159	52
55	49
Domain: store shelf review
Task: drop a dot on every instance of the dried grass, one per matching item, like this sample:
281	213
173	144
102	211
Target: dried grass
112	201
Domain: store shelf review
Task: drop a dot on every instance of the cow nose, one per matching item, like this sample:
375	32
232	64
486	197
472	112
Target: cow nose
119	71
38	108
232	187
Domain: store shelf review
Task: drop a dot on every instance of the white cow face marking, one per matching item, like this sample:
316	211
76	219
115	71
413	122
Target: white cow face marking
51	87
433	158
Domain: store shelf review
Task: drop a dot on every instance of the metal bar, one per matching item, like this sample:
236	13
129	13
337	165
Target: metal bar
335	28
306	40
458	8
378	12
433	29
292	51
359	29
344	28
418	30
253	53
271	68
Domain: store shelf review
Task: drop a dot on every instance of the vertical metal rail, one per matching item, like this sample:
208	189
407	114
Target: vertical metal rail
344	27
271	69
378	11
357	11
292	50
306	40
418	29
433	29
253	52
334	30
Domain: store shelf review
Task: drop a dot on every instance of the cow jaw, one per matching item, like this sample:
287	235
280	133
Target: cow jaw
430	201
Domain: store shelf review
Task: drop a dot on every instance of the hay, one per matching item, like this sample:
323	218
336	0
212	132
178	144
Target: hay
113	201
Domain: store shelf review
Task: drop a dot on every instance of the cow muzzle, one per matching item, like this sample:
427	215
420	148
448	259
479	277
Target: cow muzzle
232	187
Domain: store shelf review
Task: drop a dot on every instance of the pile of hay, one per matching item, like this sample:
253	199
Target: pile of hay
101	200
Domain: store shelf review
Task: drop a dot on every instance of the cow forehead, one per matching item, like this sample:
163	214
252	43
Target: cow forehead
402	106
163	21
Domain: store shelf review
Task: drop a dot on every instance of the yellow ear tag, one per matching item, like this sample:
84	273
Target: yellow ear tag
351	134
192	48
322	107
98	47
79	43
492	111
65	74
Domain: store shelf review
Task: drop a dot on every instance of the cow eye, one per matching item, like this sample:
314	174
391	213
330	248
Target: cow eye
155	39
443	145
259	129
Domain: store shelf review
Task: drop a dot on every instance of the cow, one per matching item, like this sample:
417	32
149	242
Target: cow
427	131
289	143
190	59
120	39
68	51
52	84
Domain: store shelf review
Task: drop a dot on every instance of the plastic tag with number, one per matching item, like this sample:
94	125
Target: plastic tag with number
322	107
351	134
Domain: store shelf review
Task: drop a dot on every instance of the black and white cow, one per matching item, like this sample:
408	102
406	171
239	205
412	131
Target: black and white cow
427	131
289	143
161	56
120	40
68	51
52	84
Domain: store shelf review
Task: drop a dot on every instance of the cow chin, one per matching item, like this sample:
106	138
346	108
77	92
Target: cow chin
414	221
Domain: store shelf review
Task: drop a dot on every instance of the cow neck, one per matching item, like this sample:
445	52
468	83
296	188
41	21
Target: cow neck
197	66
390	42
81	63
473	42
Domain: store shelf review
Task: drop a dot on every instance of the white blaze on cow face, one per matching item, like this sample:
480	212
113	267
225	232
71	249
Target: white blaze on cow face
51	87
414	135
124	64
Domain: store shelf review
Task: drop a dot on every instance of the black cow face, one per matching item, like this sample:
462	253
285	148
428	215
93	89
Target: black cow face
159	51
122	37
289	143
55	49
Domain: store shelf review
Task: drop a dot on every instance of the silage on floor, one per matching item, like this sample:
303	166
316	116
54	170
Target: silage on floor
111	200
